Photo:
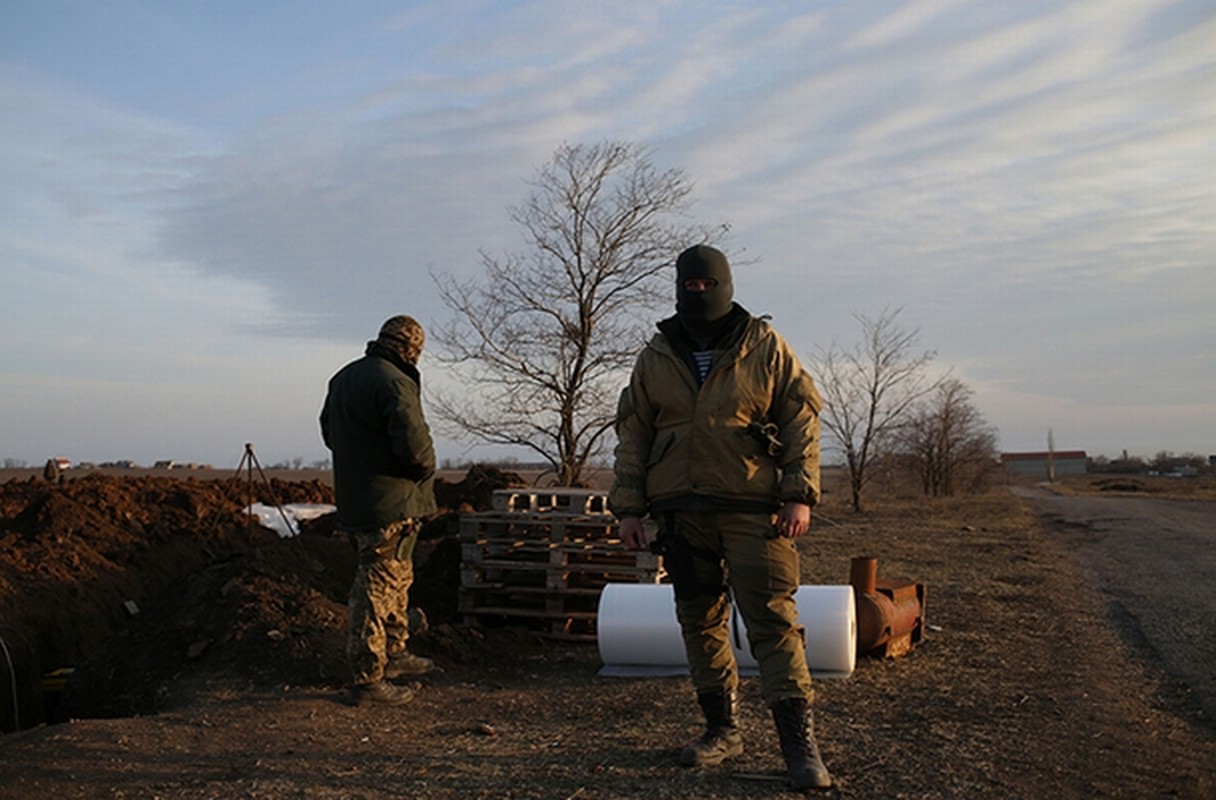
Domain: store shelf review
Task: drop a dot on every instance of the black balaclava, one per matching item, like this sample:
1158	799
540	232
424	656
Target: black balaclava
699	310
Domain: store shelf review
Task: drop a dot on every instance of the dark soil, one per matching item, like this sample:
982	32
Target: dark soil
208	662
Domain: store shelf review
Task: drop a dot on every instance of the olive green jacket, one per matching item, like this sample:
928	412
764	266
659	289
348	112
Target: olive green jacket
687	447
384	459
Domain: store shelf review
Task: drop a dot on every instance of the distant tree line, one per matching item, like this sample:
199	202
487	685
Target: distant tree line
298	463
1164	463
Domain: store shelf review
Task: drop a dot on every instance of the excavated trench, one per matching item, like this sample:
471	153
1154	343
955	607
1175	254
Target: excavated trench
125	595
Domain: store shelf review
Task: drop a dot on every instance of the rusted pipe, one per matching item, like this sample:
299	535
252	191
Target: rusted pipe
863	574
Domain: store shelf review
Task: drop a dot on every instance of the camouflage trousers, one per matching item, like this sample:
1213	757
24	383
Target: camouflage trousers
739	551
378	627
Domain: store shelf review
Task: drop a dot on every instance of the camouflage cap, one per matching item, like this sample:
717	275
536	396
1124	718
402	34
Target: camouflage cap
404	335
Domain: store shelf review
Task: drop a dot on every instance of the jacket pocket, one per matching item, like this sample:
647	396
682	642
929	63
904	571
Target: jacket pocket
660	448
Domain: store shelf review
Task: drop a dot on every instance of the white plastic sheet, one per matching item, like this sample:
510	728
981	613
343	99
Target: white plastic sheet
638	633
271	517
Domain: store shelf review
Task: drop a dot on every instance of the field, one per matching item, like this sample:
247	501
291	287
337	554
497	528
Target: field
228	682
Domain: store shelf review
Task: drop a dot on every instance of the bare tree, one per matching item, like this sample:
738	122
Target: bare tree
541	340
948	440
868	391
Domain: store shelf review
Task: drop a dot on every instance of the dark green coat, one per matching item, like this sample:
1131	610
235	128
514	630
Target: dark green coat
384	459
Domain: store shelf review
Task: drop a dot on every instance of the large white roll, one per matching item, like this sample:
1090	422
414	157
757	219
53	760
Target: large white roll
638	633
636	626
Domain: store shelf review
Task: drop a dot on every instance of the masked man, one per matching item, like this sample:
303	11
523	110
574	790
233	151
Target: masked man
718	437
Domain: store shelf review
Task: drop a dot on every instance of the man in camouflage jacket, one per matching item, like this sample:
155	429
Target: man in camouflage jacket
718	442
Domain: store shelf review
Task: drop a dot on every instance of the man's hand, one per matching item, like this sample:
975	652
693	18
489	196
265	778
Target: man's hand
633	534
793	520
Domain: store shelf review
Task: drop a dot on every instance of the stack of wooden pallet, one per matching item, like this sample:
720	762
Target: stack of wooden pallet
542	557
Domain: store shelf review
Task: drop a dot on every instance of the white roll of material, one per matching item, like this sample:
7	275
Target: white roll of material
638	633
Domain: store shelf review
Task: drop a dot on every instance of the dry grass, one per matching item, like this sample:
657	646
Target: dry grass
1160	487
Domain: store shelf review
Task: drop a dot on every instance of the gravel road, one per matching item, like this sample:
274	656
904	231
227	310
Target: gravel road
1155	562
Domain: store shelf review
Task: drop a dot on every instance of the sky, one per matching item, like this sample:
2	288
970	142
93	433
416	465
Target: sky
206	209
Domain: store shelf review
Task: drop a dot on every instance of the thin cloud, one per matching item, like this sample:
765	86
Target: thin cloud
1032	182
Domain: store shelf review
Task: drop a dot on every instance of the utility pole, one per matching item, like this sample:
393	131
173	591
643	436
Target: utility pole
1051	457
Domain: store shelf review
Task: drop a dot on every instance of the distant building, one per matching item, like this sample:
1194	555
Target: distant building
165	464
1065	462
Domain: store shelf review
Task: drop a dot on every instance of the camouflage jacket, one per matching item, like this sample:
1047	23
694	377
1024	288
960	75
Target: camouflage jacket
684	446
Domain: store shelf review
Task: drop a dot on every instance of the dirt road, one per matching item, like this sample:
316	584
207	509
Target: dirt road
1154	562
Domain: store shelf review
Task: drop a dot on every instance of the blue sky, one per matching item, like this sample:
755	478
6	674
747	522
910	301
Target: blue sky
207	208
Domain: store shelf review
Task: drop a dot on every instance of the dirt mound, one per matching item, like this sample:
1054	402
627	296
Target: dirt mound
475	491
142	588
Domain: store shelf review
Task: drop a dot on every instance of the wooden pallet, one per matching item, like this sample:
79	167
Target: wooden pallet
568	614
552	501
544	569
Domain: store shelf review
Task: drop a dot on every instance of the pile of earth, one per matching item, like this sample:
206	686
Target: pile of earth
122	595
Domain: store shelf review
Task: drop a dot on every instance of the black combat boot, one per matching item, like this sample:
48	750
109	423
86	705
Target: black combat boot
406	664
721	739
796	730
380	693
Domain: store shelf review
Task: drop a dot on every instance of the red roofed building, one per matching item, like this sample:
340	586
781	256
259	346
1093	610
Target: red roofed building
1045	464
